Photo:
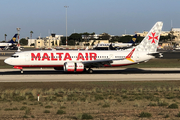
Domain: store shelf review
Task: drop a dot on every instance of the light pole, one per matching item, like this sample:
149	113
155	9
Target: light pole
18	29
66	23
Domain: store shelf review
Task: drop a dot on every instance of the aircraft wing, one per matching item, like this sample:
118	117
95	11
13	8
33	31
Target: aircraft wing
102	62
99	63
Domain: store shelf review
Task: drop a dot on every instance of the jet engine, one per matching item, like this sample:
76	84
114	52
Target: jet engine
79	67
73	67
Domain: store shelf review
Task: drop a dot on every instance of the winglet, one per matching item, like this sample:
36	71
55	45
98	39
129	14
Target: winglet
128	57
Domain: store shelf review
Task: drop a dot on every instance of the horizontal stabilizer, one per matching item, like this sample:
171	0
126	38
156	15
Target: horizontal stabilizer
156	55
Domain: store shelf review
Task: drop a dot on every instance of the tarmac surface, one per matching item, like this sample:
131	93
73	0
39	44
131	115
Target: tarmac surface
105	74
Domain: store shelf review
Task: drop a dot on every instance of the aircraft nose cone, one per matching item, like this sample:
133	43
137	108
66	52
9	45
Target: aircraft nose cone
7	61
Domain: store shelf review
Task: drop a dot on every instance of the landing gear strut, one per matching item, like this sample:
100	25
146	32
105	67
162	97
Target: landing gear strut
85	70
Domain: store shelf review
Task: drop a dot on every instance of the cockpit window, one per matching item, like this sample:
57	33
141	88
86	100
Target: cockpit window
15	56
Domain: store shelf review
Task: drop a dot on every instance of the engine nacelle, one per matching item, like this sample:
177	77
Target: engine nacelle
73	67
79	67
69	66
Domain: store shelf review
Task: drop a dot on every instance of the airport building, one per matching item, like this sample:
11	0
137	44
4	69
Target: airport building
31	42
49	42
176	33
143	34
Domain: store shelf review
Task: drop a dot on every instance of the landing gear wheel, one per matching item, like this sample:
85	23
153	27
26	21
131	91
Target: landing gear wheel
21	71
90	70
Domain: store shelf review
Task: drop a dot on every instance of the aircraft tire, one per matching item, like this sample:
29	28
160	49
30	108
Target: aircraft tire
90	71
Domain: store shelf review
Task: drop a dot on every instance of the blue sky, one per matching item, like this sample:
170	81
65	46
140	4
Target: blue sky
111	16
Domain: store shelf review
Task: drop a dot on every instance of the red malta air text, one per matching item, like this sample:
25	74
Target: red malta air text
61	56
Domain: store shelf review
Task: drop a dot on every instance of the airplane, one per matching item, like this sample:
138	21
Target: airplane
9	44
83	60
106	46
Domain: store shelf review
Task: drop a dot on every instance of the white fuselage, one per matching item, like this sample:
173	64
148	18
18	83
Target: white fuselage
5	45
57	58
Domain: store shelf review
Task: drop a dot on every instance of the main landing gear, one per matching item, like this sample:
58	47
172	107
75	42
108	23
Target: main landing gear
21	71
90	70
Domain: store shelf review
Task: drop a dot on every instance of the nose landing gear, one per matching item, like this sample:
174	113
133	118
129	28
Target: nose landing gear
17	67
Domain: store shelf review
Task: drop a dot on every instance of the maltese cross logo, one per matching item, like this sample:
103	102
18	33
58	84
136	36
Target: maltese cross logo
153	37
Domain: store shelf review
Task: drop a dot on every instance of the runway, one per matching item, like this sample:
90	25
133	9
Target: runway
118	74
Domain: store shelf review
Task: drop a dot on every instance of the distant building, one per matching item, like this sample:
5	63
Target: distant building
31	42
143	34
176	29
39	43
49	42
176	33
163	33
